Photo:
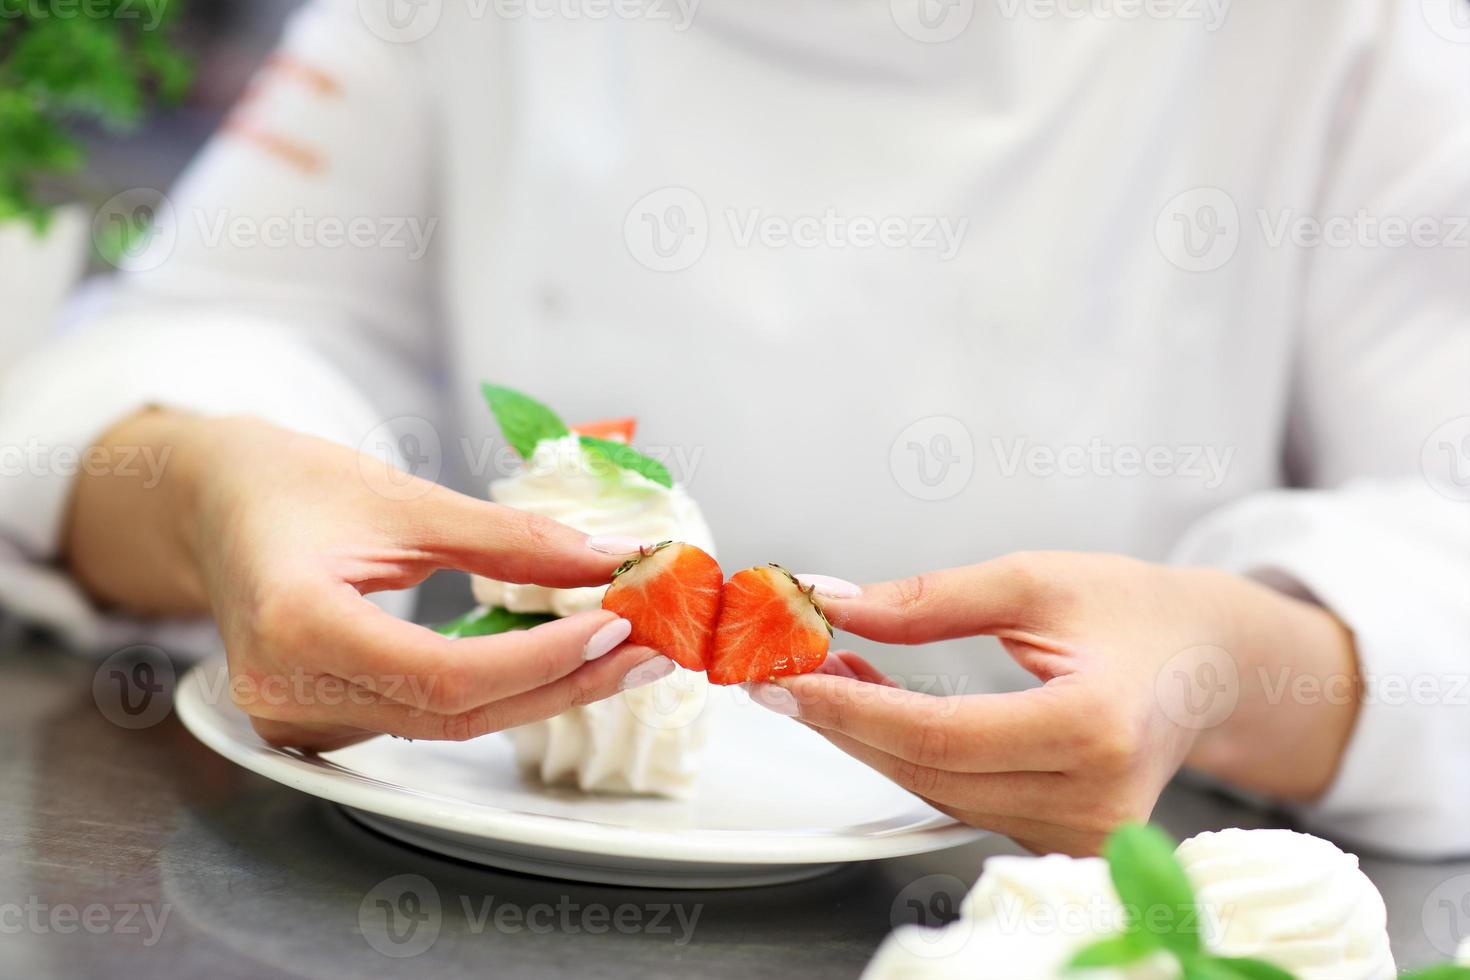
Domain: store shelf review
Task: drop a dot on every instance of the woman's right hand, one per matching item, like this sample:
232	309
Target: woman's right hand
281	536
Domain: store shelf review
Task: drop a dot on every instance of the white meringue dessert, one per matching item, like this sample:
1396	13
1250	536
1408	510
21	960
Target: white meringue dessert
1290	899
641	742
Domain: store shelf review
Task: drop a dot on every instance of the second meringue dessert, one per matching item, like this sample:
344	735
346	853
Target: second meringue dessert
645	741
1291	900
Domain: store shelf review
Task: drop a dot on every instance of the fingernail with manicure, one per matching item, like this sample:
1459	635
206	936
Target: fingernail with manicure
832	588
606	639
646	673
617	544
775	698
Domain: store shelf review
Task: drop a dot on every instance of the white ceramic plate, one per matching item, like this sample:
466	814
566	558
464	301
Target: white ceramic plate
775	802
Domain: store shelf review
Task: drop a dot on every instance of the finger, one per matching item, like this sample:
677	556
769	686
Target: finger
845	663
332	712
836	665
308	738
1005	794
994	596
511	545
1030	730
865	671
411	664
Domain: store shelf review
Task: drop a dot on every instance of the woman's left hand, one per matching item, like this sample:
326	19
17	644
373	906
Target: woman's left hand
1144	668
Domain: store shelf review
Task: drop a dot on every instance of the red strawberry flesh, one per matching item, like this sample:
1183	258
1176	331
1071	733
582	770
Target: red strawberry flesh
671	595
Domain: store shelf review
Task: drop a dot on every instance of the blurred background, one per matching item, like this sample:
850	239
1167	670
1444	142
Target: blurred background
226	40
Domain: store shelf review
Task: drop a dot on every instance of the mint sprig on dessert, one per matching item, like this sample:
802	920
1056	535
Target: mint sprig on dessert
525	422
1160	913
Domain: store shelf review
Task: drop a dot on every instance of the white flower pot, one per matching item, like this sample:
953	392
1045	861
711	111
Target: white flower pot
36	273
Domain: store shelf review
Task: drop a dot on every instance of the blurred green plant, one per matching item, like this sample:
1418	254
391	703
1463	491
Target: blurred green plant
67	62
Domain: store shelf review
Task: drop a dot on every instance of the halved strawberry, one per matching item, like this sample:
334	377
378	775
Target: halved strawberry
769	626
671	595
615	430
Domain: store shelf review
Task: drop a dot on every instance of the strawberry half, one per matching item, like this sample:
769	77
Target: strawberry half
671	595
769	626
613	430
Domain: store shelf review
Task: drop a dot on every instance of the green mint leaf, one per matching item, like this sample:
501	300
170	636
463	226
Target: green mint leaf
489	622
523	420
1440	971
1227	968
1157	897
627	458
1113	951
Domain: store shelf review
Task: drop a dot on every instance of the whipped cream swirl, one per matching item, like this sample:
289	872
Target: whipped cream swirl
562	482
642	742
1293	899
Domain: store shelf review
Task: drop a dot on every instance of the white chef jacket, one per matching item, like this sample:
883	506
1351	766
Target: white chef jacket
890	287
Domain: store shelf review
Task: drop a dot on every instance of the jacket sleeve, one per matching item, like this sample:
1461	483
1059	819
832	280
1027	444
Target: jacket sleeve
287	276
1379	440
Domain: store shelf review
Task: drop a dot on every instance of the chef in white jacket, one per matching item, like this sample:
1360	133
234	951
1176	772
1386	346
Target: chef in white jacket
1011	288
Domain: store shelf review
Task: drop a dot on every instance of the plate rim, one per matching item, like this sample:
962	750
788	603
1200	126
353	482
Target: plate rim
711	846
